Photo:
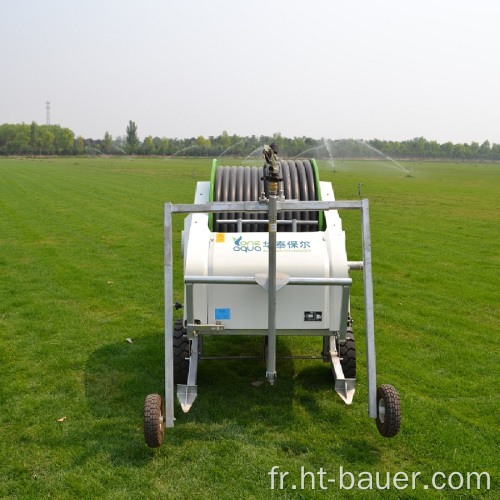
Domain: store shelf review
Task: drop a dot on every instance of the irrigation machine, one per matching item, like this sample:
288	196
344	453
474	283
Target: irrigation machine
266	239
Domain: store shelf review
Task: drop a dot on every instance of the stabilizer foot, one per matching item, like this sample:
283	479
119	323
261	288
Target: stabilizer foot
186	395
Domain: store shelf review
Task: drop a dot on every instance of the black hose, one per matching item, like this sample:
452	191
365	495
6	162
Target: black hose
246	184
311	186
217	196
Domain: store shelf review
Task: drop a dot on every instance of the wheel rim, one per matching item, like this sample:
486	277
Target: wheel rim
381	410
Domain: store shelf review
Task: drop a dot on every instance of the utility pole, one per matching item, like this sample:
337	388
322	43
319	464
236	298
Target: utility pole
47	107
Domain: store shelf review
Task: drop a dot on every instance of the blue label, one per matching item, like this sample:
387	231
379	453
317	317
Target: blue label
223	314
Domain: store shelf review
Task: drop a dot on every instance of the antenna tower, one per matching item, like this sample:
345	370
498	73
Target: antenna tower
47	107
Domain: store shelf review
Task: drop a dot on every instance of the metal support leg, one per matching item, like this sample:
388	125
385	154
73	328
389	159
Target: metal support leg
344	312
169	318
271	292
344	387
186	393
369	316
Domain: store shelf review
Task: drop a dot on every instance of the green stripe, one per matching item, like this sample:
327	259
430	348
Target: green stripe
211	196
321	217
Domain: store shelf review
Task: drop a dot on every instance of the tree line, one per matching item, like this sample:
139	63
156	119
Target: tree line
34	139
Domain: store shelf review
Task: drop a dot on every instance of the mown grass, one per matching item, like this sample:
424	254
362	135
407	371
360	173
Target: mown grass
81	271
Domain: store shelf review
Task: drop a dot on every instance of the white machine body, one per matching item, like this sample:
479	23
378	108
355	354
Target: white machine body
318	254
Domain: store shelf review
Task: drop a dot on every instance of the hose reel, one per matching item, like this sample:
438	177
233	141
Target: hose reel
300	182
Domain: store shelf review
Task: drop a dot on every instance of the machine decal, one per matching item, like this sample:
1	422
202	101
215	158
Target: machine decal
246	246
313	316
223	313
241	245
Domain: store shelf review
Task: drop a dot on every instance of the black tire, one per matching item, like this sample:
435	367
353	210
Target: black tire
154	420
347	353
181	353
388	411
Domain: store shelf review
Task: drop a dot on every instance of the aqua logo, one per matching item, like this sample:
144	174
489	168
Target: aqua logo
246	246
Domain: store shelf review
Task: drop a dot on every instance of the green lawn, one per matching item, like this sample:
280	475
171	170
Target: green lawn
81	270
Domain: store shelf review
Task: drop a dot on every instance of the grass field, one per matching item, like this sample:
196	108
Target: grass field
81	271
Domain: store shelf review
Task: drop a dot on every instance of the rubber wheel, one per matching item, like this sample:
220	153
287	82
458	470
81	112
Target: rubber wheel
181	353
388	411
154	422
347	353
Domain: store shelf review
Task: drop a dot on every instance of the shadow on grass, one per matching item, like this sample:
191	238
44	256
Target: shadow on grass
117	379
119	376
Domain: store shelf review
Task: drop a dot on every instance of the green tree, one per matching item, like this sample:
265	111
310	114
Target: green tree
7	136
419	147
204	146
495	152
107	143
485	149
473	150
459	151
66	141
447	149
132	137
432	148
225	140
120	141
33	135
163	145
148	145
20	144
47	139
279	141
200	141
79	145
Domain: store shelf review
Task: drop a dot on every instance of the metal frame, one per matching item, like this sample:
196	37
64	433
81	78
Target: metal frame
271	206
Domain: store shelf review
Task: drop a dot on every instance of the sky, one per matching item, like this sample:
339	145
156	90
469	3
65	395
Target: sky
386	69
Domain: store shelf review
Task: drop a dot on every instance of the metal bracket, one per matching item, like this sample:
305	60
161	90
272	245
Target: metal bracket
344	387
344	313
262	279
187	393
204	328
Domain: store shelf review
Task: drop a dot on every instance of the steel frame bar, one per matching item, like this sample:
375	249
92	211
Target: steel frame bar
259	206
271	291
369	315
221	330
249	280
169	318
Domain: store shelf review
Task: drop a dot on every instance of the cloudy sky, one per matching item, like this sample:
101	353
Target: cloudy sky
387	69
